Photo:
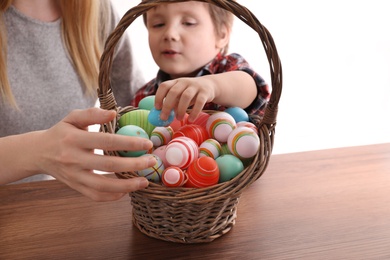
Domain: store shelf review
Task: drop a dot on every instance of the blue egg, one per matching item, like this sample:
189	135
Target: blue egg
154	118
238	114
132	130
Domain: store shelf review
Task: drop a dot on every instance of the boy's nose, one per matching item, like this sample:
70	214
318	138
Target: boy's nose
171	33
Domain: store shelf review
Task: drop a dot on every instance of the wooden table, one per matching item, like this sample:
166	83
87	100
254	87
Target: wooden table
329	204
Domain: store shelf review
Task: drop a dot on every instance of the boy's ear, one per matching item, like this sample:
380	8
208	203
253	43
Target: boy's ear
224	38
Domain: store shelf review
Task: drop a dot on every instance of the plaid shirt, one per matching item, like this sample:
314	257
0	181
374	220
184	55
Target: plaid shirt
231	62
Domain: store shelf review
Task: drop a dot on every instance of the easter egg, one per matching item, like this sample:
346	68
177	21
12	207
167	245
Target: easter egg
147	102
132	130
204	172
176	123
229	167
195	132
201	119
160	152
173	177
238	114
154	172
219	125
155	119
243	142
181	152
225	149
248	124
137	117
161	135
211	148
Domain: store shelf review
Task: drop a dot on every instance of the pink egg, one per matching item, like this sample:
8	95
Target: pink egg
181	152
160	152
248	124
243	142
176	124
201	119
173	177
203	172
161	135
220	125
211	148
195	132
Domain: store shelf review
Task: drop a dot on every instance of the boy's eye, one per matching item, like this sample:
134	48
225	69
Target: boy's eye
189	23
157	25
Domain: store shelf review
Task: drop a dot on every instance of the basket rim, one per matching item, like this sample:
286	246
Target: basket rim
266	125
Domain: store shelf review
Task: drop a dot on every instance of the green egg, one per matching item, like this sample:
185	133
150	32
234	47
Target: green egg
137	117
229	167
147	103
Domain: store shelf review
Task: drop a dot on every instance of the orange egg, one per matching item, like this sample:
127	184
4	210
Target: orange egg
203	172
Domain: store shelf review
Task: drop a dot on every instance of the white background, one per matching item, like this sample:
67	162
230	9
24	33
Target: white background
336	68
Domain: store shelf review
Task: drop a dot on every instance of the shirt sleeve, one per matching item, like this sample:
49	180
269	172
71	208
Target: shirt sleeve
126	77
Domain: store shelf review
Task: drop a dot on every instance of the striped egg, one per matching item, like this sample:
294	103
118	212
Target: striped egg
211	148
173	177
248	124
243	142
195	132
201	119
181	152
137	117
161	135
154	172
220	125
176	124
204	172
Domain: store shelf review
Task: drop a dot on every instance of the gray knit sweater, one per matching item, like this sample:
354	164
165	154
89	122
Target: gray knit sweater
43	80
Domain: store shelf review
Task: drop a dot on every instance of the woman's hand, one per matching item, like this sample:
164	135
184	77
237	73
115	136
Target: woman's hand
66	151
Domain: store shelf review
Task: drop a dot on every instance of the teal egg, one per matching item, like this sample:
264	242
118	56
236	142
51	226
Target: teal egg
137	117
238	114
229	167
147	103
154	118
132	130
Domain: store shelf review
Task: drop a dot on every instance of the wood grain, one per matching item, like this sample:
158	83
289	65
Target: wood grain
329	204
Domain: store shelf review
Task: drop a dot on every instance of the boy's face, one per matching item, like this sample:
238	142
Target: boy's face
182	37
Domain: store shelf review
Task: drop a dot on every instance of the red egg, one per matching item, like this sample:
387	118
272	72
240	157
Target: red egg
201	119
195	132
204	172
176	124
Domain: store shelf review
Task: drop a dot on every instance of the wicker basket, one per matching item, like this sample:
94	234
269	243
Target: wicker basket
188	215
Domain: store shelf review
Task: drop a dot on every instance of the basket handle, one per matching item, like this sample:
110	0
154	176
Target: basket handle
106	97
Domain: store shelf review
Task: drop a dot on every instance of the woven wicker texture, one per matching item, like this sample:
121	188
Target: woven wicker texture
187	215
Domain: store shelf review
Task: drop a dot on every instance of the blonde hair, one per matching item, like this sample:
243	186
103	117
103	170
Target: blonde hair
220	17
84	29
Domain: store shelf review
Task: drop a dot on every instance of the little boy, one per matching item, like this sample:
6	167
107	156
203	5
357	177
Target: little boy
189	41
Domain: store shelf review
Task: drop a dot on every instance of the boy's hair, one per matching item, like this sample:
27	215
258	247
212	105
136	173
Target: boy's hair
220	18
86	19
